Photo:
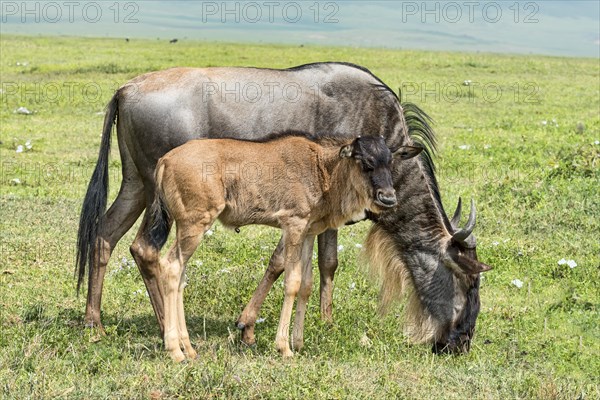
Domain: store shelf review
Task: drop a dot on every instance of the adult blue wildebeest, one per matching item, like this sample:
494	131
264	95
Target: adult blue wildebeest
158	111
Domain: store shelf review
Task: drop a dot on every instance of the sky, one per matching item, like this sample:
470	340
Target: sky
549	27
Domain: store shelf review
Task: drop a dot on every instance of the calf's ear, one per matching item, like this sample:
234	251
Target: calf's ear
346	151
406	152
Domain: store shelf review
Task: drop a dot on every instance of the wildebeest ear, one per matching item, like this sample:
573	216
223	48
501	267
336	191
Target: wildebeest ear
469	266
346	151
406	152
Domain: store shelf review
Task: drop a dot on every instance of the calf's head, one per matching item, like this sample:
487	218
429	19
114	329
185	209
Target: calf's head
375	160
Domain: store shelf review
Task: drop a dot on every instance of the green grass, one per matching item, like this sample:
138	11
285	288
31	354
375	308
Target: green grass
535	186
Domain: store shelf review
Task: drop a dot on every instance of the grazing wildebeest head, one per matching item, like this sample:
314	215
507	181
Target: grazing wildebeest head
459	338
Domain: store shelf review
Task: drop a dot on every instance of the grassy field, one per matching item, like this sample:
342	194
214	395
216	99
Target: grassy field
521	138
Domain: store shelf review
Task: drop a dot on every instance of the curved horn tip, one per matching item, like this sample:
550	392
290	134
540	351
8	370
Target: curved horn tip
462	235
472	218
455	221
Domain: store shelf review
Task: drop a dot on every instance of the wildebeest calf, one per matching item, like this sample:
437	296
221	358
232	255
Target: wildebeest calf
303	187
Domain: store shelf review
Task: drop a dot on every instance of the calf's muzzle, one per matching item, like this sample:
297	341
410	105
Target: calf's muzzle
386	197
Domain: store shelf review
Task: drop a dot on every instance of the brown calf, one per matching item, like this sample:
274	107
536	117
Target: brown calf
290	182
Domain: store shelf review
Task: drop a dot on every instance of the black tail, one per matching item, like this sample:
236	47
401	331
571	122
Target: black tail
160	219
94	204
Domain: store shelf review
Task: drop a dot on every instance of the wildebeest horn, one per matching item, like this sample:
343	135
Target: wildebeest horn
456	217
462	234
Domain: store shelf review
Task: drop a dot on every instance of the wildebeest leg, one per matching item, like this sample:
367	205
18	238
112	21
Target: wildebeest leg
119	218
293	238
328	263
184	336
303	294
147	257
172	276
248	317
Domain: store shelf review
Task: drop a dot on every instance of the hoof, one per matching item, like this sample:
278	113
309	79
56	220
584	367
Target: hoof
177	356
248	336
192	355
287	353
95	325
298	346
251	345
249	341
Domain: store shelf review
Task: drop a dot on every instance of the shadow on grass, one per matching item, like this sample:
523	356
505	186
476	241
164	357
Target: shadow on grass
147	326
144	330
144	326
141	332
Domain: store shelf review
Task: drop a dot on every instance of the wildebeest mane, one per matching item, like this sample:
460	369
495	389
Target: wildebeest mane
418	123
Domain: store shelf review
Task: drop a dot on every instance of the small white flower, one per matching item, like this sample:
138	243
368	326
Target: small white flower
495	243
340	247
597	142
16	181
467	82
544	123
464	146
570	263
209	232
358	246
260	320
518	283
28	145
352	286
224	271
23	110
487	146
198	263
19	148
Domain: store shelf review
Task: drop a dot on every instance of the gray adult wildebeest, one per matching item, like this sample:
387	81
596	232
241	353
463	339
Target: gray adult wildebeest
158	111
243	183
